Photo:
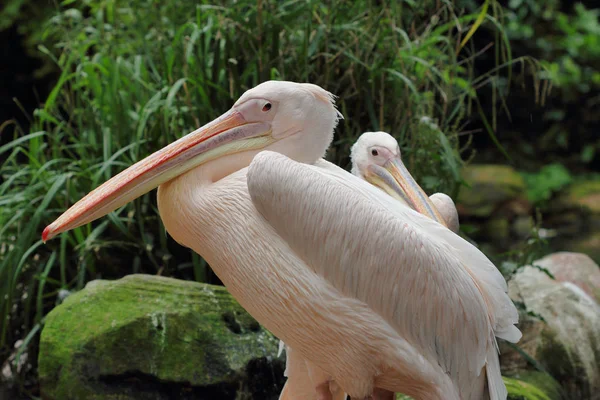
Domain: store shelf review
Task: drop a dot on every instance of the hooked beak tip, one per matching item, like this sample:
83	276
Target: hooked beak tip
47	234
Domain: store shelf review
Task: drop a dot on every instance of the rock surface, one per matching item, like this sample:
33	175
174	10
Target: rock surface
576	268
566	343
491	187
147	337
585	194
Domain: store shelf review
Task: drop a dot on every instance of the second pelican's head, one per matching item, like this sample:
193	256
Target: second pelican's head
376	159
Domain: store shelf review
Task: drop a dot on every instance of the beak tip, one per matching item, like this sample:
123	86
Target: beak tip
47	234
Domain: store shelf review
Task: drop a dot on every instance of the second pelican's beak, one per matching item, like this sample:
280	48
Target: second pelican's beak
395	179
230	133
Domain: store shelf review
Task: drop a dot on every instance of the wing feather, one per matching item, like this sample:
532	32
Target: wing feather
503	313
392	258
492	284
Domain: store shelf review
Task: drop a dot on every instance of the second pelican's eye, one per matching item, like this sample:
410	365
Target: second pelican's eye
374	152
266	107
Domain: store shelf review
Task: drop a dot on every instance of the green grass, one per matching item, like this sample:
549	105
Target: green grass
136	77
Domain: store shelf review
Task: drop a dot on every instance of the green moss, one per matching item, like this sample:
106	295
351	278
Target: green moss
490	185
173	330
582	189
584	194
569	362
539	381
562	363
527	385
519	390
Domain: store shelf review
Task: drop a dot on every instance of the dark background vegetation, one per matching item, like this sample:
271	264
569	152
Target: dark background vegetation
89	87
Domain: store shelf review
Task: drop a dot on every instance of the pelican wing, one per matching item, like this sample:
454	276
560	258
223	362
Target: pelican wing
407	268
502	311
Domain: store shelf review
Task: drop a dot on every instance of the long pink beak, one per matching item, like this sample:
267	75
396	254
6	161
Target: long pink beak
173	160
395	179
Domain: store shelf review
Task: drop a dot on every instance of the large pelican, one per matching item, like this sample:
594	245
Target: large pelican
372	156
369	293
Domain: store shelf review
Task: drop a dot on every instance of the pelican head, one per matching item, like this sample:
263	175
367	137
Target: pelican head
295	119
376	158
373	148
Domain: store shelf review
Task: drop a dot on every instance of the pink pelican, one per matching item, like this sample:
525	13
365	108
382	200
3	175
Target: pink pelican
371	294
370	154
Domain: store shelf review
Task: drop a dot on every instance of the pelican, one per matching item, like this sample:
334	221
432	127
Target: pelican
372	151
386	298
370	154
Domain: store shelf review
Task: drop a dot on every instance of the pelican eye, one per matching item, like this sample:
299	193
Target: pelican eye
374	152
266	107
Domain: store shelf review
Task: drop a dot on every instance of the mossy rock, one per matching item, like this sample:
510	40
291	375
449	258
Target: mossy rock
532	386
561	332
149	337
585	194
528	386
490	187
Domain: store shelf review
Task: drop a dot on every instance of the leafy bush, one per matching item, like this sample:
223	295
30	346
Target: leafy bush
567	41
549	180
137	76
570	50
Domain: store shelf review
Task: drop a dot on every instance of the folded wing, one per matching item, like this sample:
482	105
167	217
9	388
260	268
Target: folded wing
407	268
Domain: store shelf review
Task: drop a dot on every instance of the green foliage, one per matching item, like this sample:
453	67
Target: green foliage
28	16
137	76
568	45
10	13
570	51
549	180
532	386
528	251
